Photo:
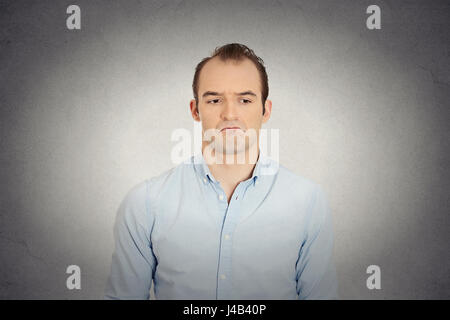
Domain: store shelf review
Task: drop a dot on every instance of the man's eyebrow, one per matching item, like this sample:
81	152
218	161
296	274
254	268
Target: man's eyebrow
214	93
247	93
211	93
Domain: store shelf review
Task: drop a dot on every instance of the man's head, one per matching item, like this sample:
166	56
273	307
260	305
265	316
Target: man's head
230	90
235	52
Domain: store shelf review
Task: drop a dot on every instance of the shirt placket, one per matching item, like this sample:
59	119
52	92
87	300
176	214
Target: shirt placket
230	218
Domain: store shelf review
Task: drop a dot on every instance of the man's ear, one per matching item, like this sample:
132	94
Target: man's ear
194	110
267	111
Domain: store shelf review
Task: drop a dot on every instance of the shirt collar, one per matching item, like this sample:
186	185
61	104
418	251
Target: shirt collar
262	164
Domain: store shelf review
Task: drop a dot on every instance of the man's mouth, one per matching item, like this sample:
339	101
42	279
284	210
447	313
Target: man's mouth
231	128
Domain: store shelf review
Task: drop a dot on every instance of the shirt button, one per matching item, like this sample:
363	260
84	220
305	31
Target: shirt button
204	180
222	276
227	237
221	197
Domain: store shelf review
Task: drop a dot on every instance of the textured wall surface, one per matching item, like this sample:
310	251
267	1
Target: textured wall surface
86	114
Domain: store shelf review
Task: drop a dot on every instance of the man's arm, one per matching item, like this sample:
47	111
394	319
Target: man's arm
133	262
316	274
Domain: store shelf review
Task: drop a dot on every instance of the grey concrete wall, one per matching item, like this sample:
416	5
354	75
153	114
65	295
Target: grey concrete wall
87	114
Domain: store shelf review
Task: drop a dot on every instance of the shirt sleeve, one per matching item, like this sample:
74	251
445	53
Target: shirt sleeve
133	262
316	273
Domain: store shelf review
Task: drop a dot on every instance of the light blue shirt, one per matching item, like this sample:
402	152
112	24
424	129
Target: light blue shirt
273	240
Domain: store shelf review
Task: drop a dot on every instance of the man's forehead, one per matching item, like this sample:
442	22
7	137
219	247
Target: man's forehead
230	75
217	65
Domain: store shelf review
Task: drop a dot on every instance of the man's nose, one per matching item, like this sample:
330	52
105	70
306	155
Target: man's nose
229	111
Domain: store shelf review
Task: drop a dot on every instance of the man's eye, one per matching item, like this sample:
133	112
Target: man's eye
245	101
213	101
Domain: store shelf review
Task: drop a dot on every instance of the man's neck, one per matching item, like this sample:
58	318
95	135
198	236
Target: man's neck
230	174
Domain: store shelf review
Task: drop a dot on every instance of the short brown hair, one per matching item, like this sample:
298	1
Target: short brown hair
237	52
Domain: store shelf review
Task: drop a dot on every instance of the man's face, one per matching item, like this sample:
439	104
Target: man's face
229	96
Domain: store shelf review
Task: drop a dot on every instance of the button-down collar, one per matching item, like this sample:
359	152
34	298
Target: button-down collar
202	168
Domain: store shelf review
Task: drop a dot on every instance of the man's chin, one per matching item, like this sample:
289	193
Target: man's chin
234	156
236	150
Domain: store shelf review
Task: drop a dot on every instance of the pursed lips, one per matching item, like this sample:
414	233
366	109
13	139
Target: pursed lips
226	128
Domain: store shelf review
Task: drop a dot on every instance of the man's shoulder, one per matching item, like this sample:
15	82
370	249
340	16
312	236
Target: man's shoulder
297	182
304	192
168	176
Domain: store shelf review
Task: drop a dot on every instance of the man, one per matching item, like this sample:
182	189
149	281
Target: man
215	228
